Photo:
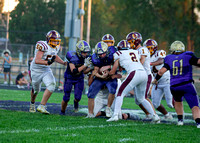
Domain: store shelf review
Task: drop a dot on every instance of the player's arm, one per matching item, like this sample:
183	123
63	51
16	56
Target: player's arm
195	61
91	77
60	61
158	62
114	68
160	73
76	70
39	60
142	58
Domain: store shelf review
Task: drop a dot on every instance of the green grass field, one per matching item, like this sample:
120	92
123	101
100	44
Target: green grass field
18	126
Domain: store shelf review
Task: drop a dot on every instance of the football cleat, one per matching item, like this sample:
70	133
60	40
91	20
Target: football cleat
108	112
90	115
113	118
156	119
168	116
180	123
32	108
198	126
42	109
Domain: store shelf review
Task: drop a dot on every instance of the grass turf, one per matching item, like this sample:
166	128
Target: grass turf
17	126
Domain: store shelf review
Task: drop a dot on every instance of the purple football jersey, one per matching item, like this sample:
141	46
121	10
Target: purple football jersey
180	67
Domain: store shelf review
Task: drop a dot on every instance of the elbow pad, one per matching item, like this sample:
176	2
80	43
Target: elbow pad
75	71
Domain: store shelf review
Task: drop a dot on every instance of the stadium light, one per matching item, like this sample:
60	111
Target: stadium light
8	6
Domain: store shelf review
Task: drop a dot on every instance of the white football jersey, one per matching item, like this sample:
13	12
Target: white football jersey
48	53
128	59
144	51
166	76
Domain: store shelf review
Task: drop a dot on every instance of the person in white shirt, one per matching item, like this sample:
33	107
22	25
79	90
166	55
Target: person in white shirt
45	54
137	78
163	87
135	39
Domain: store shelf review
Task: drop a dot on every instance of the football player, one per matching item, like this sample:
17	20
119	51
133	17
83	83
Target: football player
45	55
135	39
137	78
109	40
78	62
103	56
179	63
163	87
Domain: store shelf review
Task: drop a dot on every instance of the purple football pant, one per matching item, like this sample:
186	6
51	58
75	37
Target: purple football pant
188	92
78	89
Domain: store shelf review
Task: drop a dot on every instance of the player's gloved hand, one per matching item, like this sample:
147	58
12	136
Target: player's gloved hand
155	82
87	61
51	60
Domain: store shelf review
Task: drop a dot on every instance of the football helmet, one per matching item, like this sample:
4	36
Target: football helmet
177	46
134	39
108	38
123	45
101	48
53	38
82	46
151	45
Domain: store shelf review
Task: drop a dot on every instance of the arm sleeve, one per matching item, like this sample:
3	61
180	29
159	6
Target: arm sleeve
194	60
166	66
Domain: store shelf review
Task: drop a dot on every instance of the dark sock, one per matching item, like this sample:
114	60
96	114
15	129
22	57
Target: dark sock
75	104
62	111
128	115
197	120
103	113
180	117
32	102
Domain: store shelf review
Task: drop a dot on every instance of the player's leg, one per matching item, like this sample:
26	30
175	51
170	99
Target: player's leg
178	93
157	95
67	90
50	83
36	86
193	101
140	95
78	90
94	88
112	86
99	104
168	96
127	85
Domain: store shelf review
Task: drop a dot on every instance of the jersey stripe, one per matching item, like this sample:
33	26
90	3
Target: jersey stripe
44	45
125	83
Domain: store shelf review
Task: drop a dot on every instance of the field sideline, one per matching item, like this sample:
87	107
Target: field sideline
21	126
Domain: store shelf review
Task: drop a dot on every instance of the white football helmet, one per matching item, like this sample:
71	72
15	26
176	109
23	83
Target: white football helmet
177	46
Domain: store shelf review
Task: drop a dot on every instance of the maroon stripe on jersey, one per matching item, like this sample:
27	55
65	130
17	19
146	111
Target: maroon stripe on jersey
44	45
125	83
117	53
148	84
120	52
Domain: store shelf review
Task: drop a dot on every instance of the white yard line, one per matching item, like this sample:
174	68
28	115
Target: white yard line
62	128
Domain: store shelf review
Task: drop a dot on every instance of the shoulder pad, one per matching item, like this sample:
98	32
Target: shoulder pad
112	49
116	56
143	51
70	55
161	54
41	46
189	53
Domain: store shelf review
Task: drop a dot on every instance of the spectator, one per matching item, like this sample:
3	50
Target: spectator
20	80
6	66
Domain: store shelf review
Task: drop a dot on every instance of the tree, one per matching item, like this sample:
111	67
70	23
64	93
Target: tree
31	20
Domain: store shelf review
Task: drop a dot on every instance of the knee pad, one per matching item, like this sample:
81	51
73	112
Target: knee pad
51	87
155	105
170	105
66	99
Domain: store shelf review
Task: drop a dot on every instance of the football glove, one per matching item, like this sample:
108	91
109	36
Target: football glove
51	60
87	61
